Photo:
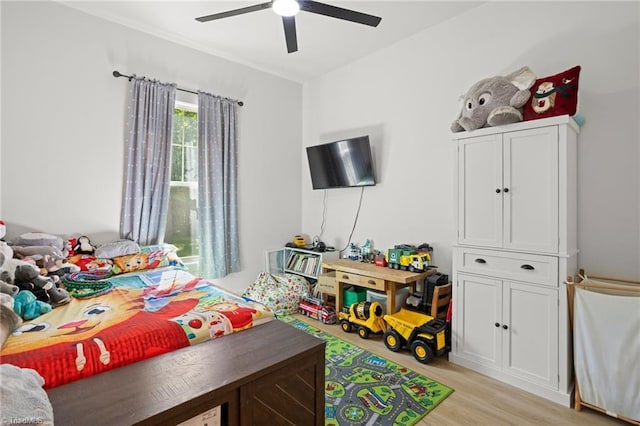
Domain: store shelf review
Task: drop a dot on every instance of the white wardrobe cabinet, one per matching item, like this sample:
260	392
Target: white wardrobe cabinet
517	241
508	190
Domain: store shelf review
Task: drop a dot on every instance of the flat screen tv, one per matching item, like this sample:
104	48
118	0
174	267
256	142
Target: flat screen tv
341	164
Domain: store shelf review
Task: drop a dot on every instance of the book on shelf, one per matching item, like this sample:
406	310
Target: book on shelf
302	263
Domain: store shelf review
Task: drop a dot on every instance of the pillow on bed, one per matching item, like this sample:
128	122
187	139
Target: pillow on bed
150	257
280	292
553	95
38	239
116	249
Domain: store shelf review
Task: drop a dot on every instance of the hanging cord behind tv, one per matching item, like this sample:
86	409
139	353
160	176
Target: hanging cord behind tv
355	221
317	240
324	216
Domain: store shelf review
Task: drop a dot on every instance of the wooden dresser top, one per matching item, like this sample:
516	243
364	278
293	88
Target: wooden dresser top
142	391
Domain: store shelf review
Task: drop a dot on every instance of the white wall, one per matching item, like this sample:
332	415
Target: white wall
406	97
63	115
63	126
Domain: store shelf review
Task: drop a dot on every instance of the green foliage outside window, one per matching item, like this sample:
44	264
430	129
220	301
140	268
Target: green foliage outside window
182	220
184	146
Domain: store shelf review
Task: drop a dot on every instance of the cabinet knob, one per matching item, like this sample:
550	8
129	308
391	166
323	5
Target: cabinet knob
506	190
497	325
346	277
480	260
505	326
527	267
497	190
372	282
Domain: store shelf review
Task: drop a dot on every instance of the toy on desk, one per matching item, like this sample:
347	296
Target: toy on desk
425	248
406	258
366	317
380	260
366	251
353	252
315	308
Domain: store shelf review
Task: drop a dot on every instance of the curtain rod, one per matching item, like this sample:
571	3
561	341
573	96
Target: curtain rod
119	74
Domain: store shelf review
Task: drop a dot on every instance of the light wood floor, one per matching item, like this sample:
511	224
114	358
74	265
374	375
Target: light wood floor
478	399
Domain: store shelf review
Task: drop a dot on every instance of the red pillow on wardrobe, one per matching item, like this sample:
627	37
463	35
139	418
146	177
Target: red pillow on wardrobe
553	95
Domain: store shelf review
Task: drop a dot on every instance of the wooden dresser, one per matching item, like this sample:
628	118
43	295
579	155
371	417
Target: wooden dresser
271	374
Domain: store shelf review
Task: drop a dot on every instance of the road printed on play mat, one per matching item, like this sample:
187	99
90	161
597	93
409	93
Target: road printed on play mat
362	388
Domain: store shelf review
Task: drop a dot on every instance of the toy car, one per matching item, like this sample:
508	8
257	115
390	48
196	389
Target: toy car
424	335
366	317
315	308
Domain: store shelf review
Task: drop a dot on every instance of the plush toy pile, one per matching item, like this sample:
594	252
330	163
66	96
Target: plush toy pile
25	290
519	96
31	272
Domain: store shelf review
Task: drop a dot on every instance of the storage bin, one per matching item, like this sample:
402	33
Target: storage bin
353	295
381	297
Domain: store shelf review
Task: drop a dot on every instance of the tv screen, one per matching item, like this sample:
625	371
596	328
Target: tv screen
341	164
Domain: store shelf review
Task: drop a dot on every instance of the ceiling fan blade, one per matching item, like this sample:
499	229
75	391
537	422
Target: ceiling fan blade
289	23
338	12
235	12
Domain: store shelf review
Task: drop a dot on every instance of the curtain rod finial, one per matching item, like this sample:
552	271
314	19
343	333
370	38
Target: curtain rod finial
116	74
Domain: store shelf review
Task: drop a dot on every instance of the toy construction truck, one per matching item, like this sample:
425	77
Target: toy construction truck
366	317
402	258
421	333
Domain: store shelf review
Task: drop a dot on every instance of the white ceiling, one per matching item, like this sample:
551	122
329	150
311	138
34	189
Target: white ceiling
257	39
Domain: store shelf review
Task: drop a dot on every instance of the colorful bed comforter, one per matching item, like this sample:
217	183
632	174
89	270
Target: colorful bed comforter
144	315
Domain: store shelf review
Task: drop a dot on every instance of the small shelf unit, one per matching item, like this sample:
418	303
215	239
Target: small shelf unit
293	260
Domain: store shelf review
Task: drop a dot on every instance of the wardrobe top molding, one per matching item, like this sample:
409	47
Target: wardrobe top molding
522	125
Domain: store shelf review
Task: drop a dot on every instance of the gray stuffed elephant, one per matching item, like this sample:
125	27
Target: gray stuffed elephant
495	101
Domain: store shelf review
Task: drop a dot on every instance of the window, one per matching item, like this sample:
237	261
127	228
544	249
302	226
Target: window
182	219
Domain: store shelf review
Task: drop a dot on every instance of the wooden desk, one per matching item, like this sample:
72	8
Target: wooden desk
374	277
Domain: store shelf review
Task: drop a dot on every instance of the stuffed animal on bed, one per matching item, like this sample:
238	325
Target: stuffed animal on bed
28	277
7	268
495	101
28	307
8	263
83	246
8	289
10	321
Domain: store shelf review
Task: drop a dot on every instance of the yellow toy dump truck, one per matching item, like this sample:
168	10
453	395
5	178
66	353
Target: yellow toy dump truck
423	334
366	317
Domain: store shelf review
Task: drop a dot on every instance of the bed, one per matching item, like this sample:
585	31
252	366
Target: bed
124	345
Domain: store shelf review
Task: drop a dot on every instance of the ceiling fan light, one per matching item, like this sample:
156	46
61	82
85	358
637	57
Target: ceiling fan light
286	7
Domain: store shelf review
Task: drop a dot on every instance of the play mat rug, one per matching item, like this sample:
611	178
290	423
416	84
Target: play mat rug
365	389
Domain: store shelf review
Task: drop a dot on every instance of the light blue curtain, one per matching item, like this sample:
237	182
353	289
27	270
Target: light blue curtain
148	161
217	186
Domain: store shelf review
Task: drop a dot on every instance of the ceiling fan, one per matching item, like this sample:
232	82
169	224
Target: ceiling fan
289	8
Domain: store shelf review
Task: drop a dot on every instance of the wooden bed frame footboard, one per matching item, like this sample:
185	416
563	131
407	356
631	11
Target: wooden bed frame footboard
271	374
